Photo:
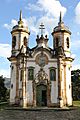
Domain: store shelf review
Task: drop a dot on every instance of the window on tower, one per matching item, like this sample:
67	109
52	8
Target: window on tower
31	73
13	41
21	75
67	41
25	41
52	74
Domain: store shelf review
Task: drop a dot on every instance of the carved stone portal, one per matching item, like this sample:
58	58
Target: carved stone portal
41	89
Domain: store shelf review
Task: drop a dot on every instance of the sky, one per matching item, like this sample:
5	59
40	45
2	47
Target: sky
35	12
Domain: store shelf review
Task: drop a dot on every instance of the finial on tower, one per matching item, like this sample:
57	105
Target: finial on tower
60	19
20	22
20	15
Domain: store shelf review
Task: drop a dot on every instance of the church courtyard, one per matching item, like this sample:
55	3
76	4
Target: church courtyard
39	114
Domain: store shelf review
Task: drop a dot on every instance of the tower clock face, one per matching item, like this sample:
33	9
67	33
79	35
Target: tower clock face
42	60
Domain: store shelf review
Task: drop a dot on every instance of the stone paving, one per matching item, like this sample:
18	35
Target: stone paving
40	114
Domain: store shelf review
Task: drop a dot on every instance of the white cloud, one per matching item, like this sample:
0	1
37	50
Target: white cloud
50	7
5	50
75	66
9	26
51	10
5	73
33	7
77	13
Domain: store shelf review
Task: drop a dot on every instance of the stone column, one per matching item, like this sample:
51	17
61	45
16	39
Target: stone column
17	85
24	84
34	94
64	84
59	83
48	94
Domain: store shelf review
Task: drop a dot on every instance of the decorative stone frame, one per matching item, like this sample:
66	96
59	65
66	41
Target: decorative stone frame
48	86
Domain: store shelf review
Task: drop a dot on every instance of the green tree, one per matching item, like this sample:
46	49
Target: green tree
75	76
3	89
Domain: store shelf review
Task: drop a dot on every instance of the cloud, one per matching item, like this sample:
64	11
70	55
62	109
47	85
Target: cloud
5	72
77	13
33	7
5	50
50	7
51	10
9	26
75	66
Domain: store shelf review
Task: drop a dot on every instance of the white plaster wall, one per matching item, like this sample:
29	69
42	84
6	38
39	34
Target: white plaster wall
29	92
68	83
54	85
54	92
62	81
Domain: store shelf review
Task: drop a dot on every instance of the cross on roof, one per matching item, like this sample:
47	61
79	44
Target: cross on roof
42	28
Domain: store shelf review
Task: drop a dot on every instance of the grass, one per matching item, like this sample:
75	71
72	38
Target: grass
3	105
76	103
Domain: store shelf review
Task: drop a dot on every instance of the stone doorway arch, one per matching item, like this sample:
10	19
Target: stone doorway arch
41	95
42	87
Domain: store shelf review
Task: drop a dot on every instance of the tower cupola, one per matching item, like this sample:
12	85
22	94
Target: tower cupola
61	37
20	36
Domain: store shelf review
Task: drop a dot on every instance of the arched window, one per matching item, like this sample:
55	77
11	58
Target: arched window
67	42
31	73
25	41
52	74
13	41
57	42
21	75
11	86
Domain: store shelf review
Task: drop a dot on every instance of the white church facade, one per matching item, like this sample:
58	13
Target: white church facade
41	76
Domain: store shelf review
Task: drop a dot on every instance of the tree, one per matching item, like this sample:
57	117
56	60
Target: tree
3	89
75	76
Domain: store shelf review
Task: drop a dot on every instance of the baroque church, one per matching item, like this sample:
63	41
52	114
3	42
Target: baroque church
41	76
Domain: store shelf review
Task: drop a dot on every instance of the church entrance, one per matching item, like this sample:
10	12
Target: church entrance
41	95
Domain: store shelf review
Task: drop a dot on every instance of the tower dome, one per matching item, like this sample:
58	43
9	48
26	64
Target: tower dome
20	25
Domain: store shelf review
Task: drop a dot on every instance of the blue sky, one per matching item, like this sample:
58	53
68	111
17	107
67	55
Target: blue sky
35	12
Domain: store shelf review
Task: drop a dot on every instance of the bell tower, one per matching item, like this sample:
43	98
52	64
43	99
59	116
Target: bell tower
61	45
20	36
61	37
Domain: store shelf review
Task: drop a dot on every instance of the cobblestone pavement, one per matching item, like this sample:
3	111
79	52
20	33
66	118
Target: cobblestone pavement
40	114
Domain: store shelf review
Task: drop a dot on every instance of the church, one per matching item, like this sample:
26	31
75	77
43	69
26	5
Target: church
41	76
